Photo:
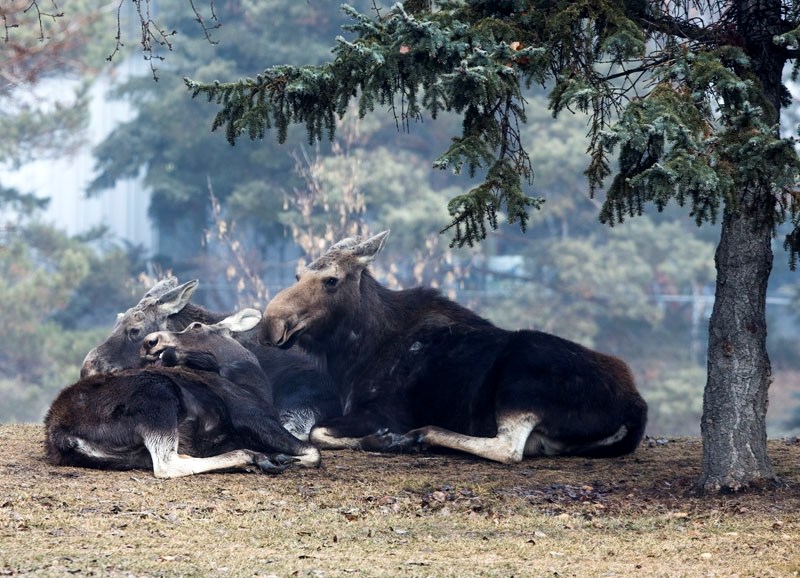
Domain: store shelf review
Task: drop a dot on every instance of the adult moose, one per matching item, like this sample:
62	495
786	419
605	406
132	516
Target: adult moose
176	420
416	369
303	394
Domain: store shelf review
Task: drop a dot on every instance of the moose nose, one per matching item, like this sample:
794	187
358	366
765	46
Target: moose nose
151	341
273	332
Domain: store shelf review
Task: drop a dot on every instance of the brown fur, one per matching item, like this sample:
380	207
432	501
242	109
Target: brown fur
415	368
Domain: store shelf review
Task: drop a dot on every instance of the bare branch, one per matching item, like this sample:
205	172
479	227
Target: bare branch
40	14
11	11
250	286
206	29
156	36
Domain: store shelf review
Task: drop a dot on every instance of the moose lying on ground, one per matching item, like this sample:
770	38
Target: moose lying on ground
177	420
303	394
416	369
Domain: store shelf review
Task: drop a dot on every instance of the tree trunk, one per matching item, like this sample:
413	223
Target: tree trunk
734	424
735	402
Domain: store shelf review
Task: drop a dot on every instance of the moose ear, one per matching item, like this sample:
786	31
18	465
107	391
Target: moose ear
345	243
366	250
161	287
176	299
243	320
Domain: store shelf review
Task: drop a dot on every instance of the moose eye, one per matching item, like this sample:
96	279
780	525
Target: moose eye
331	283
133	333
195	326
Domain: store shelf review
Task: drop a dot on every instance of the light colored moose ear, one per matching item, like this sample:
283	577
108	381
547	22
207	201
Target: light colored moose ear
345	243
176	299
243	320
366	250
161	287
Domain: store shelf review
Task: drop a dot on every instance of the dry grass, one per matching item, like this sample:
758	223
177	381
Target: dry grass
376	515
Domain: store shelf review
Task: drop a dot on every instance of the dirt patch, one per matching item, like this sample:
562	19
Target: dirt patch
365	514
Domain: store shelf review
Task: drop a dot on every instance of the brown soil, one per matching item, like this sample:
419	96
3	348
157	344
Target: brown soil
365	514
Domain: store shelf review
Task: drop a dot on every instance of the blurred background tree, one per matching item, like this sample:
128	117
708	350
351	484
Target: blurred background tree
58	292
58	295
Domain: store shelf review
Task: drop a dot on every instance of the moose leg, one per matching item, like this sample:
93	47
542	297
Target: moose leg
325	438
168	463
262	431
512	442
348	431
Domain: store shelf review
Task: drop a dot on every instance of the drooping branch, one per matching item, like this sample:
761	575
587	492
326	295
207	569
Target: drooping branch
156	37
408	65
474	61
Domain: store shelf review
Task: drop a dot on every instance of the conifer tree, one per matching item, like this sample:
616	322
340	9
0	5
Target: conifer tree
686	93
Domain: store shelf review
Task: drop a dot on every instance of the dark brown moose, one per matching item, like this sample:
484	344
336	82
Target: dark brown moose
303	394
416	369
176	420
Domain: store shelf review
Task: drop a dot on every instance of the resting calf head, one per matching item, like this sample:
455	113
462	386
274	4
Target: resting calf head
200	346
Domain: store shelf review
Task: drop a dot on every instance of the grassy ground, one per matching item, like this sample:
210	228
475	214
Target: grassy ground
375	515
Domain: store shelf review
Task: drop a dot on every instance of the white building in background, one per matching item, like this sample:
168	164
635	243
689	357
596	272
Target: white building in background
64	181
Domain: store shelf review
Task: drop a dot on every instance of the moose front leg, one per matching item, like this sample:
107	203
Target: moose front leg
350	430
328	439
514	440
168	463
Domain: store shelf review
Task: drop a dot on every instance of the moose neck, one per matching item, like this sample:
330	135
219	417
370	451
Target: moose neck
191	313
380	316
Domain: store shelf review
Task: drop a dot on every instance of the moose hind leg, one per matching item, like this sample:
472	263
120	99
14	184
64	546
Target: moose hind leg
263	432
348	431
508	446
323	437
298	421
168	463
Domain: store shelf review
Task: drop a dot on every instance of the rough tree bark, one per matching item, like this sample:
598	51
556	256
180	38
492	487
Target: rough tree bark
735	402
734	425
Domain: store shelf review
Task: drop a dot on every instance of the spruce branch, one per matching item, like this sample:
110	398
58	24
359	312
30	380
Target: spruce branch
655	81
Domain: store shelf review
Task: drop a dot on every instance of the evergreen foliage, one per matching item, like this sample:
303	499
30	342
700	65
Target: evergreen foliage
699	138
686	118
408	65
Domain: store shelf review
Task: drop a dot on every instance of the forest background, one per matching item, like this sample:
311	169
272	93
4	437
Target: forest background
241	218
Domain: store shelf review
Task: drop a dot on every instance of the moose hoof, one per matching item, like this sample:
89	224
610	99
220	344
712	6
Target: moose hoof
418	439
385	441
274	464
